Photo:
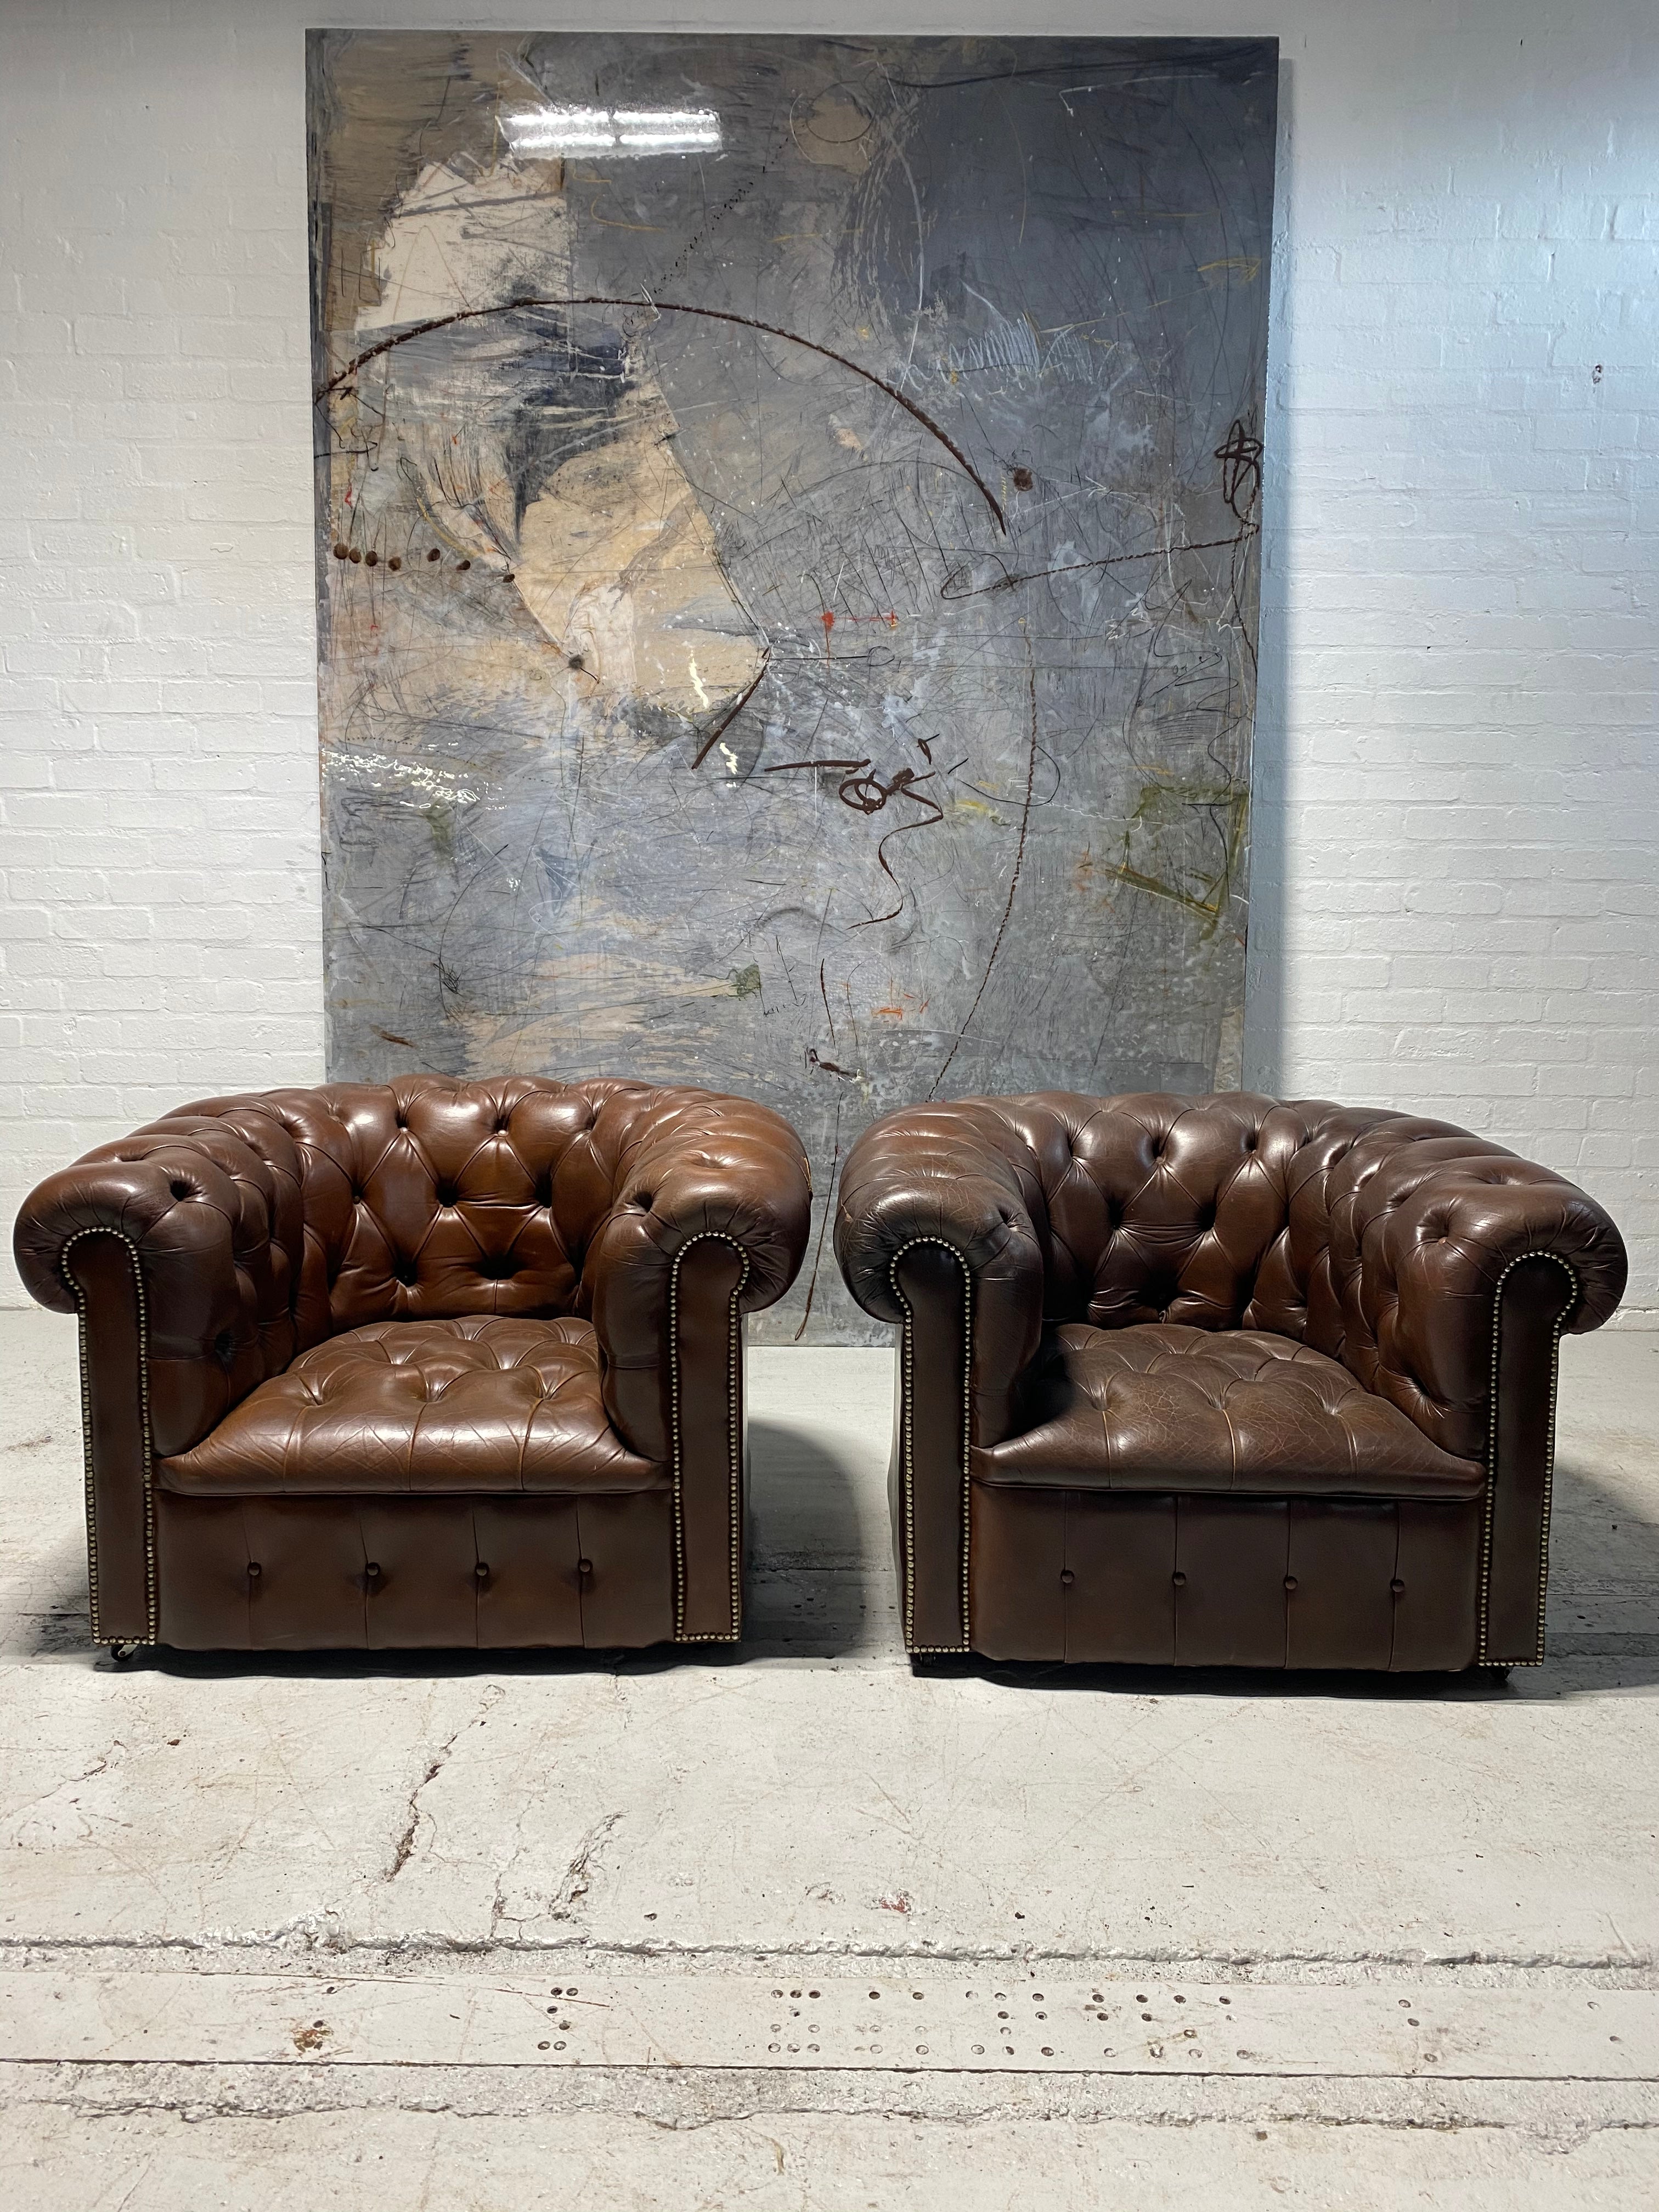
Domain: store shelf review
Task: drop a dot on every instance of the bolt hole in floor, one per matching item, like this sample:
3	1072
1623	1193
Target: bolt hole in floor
675	1841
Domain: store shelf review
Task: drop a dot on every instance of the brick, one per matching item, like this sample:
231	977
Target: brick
1456	777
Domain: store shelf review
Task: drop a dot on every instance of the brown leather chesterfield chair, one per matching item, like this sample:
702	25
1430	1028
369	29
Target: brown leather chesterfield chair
1220	1380
423	1362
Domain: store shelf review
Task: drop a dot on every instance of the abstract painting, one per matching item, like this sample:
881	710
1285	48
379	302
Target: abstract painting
788	539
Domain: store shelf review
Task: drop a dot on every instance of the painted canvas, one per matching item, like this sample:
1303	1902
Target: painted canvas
788	527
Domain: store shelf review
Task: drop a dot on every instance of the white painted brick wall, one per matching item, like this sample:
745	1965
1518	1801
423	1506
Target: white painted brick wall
1457	880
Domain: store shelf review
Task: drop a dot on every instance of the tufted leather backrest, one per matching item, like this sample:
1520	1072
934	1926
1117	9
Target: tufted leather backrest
1378	1237
260	1225
427	1198
1157	1207
1231	1211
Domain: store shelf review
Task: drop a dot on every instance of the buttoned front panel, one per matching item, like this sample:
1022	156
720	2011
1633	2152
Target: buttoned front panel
312	1574
1200	1580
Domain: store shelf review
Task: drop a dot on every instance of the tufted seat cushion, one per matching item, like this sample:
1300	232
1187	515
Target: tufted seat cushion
1165	1407
477	1405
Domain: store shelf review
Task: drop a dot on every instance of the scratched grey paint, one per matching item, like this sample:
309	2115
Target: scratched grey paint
1012	633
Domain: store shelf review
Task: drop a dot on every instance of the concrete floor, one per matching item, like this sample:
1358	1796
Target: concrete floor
794	1928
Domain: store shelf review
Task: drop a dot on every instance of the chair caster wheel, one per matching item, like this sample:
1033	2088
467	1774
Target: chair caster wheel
121	1652
1494	1677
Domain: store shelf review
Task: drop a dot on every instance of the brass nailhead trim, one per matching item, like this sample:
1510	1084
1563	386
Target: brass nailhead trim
1483	1657
733	1387
907	1403
152	1619
735	1441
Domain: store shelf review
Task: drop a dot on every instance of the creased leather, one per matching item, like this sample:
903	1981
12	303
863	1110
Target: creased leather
1378	1237
1159	1407
1177	1298
265	1223
424	1406
270	1225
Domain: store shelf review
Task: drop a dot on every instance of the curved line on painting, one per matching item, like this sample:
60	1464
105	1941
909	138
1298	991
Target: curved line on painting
677	307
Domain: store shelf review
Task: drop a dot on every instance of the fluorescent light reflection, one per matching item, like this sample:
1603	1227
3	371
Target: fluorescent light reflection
613	131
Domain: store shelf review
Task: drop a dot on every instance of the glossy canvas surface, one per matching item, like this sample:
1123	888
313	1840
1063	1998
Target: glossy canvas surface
788	527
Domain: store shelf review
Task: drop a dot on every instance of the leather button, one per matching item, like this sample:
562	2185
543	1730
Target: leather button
1179	1579
584	1566
1397	1586
1067	1578
482	1571
372	1571
253	1570
1290	1581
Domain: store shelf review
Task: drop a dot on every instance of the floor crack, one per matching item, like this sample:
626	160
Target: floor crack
579	1873
440	1759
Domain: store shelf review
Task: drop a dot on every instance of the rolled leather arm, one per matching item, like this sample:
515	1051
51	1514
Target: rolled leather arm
711	1199
192	1203
162	1244
717	1185
937	1229
1424	1235
1458	1267
957	1177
